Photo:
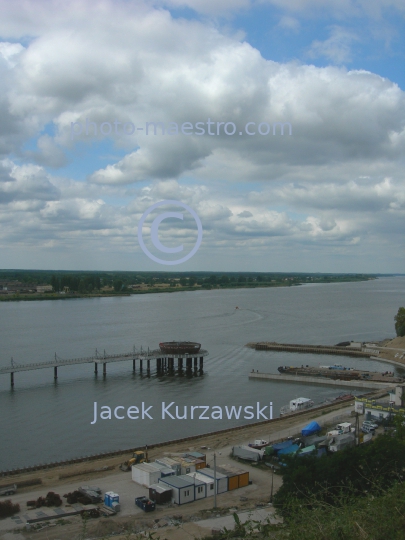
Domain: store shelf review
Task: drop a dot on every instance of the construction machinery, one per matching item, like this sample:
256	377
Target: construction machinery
137	457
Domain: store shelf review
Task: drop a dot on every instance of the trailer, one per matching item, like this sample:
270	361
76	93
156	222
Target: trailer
245	452
145	504
8	490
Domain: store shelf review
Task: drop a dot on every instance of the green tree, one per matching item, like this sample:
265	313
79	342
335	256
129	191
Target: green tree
400	322
117	285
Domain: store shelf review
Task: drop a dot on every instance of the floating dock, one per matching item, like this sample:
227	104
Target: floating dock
319	380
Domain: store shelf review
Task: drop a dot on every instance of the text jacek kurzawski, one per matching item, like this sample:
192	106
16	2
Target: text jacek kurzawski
171	411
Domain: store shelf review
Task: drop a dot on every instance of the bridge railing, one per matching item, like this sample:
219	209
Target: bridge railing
87	359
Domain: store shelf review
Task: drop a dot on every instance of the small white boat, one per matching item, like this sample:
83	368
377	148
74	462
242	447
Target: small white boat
296	405
258	444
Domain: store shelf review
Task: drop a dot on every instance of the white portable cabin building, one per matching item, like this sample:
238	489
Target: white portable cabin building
147	474
183	488
187	465
221	479
200	487
209	482
164	471
171	463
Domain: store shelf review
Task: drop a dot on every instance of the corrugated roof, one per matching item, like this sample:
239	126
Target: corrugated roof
177	481
160	488
210	473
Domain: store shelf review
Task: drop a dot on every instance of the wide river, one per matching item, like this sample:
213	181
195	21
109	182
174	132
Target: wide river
42	421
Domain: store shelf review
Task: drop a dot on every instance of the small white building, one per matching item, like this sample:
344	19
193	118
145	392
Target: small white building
146	474
183	488
200	487
169	462
221	479
206	480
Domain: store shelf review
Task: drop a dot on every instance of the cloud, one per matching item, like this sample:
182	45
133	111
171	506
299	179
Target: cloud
334	186
289	23
337	48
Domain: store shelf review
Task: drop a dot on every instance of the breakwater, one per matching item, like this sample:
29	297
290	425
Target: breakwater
320	380
317	349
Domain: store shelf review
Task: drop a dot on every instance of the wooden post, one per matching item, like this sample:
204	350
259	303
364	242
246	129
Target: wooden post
12	379
105	368
133	365
55	372
95	368
201	363
140	364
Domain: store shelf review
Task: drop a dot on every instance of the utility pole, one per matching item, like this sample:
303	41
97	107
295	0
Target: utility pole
272	478
215	480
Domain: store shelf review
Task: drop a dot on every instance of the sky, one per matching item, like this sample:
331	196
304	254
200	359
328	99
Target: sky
278	123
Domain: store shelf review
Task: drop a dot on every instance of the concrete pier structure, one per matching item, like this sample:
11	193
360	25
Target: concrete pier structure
163	364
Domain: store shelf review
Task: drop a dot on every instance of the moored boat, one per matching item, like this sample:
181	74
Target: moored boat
296	405
258	444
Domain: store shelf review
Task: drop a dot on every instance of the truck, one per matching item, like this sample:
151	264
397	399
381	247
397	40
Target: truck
8	490
145	504
137	457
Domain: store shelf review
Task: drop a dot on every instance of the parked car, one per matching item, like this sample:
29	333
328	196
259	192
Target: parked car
369	423
368	429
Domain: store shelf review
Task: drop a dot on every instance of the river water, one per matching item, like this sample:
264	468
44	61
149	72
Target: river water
42	421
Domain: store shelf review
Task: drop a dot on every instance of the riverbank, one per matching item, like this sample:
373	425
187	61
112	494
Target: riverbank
176	286
103	472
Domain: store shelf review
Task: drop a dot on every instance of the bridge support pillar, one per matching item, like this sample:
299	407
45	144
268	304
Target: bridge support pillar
201	363
133	365
195	363
180	364
140	364
12	379
148	365
55	373
105	368
95	368
189	363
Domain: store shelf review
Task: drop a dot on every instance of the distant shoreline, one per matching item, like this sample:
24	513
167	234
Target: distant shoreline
153	290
